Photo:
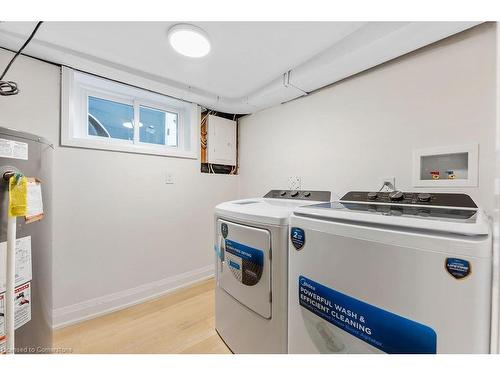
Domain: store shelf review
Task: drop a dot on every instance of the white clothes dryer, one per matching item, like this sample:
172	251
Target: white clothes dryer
251	245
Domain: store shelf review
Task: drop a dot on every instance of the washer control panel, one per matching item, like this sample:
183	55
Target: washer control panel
403	198
309	195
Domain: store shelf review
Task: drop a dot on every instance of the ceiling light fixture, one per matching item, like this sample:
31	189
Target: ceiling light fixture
189	40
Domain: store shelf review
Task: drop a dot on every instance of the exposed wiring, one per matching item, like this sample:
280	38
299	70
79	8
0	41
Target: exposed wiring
9	87
203	126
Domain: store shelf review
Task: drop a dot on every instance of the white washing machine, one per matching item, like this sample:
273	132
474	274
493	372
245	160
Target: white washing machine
251	245
390	273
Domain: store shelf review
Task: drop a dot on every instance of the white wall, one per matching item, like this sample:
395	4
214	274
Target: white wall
120	233
348	136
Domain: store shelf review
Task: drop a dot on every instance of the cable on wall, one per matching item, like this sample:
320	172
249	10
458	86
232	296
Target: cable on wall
10	87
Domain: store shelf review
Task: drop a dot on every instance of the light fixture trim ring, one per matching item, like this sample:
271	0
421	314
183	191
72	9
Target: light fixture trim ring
193	29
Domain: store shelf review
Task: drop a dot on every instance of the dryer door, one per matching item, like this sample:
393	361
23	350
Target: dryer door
245	269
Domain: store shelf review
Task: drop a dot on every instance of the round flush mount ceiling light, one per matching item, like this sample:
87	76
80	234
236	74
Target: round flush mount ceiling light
189	40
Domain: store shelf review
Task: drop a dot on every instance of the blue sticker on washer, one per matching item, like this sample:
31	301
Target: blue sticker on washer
245	262
245	252
298	237
458	268
382	329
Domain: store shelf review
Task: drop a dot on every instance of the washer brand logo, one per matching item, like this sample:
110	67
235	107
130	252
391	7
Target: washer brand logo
298	237
224	229
458	268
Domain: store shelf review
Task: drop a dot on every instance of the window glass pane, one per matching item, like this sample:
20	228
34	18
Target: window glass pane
158	127
110	119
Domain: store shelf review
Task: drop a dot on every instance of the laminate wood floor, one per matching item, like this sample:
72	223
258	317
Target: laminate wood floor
179	322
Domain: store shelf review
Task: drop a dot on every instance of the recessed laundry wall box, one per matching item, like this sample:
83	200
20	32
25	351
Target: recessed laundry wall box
446	166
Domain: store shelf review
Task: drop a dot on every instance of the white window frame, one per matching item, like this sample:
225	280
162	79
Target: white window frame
77	87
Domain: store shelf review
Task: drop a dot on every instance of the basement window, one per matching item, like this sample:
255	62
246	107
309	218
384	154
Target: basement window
102	114
158	127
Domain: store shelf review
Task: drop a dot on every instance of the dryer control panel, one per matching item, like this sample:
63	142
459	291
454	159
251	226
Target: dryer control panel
410	198
307	195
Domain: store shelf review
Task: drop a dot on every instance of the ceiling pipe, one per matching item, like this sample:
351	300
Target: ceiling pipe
368	46
365	46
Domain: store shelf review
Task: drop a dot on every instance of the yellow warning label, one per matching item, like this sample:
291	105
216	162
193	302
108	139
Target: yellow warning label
18	195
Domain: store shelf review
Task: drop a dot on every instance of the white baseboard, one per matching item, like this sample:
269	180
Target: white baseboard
78	312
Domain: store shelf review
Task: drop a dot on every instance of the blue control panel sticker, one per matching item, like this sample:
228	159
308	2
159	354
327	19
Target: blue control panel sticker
382	329
298	237
245	252
458	268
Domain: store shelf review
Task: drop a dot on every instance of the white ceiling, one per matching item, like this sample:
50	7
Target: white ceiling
247	60
244	57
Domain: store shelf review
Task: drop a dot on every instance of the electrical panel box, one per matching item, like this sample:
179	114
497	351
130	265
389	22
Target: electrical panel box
221	141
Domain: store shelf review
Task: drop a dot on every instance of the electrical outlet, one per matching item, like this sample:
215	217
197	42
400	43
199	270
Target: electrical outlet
294	183
388	183
169	178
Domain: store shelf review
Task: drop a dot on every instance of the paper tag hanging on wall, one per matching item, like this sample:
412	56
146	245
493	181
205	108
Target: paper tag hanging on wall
35	202
18	195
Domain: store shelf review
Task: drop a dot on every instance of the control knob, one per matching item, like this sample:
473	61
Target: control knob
396	195
424	197
307	194
282	193
294	193
372	196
